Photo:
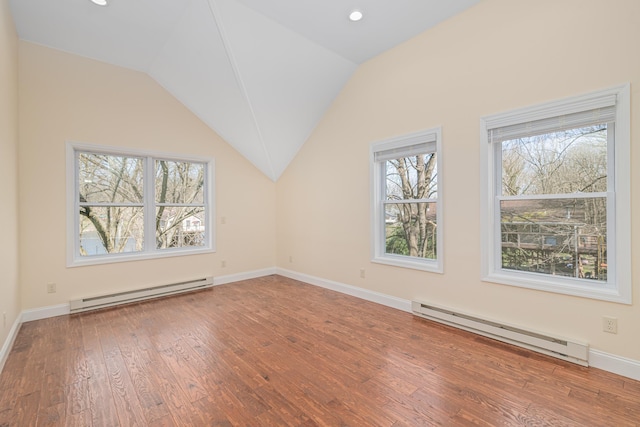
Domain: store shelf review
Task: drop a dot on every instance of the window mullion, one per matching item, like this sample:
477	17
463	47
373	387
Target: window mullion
76	204
106	204
182	205
496	148
408	201
612	253
554	196
207	206
149	205
381	195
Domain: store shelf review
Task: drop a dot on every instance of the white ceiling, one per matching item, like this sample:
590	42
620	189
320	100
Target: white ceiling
261	73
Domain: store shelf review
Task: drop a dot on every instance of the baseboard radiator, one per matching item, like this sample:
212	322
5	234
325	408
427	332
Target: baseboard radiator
552	346
104	301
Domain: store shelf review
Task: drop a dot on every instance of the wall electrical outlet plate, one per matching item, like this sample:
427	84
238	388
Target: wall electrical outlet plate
610	325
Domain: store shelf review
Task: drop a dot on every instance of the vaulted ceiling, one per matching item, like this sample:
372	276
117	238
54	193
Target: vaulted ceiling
261	73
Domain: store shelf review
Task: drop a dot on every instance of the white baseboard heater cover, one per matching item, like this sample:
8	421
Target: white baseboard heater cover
104	301
552	346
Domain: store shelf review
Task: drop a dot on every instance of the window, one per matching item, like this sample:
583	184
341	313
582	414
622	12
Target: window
128	205
406	203
556	196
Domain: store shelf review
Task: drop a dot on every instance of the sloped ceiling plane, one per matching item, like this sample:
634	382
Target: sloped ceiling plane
261	73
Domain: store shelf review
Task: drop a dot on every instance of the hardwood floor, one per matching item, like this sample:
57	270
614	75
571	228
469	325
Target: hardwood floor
277	352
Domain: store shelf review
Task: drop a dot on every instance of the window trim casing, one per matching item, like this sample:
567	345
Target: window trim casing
377	179
619	287
150	252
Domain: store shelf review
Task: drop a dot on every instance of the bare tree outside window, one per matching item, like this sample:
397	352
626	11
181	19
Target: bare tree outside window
112	203
553	209
410	206
180	209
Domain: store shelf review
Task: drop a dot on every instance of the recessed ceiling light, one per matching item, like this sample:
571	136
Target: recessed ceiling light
355	15
99	2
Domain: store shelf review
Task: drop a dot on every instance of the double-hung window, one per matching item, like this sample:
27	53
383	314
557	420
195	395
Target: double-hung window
556	204
406	202
125	205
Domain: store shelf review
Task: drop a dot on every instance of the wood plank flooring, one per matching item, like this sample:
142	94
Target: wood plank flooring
277	352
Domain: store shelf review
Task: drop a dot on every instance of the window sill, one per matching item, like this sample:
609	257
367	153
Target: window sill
408	262
130	256
565	285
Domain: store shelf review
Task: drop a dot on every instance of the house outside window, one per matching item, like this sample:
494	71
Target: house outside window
556	204
406	201
126	205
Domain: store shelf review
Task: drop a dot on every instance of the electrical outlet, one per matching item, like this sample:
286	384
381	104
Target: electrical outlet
290	258
610	325
223	264
223	220
4	319
51	288
362	273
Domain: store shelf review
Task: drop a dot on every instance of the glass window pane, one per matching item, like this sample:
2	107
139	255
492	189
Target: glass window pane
114	229
565	162
410	229
178	227
179	182
412	178
563	237
104	178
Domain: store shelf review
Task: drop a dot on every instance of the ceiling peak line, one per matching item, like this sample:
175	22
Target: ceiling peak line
215	13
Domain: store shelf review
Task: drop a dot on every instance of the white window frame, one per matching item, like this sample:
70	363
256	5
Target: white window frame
618	286
149	246
378	184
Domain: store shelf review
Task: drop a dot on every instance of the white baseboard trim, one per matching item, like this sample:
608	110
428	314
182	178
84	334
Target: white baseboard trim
618	365
365	294
223	280
8	343
597	359
62	309
44	312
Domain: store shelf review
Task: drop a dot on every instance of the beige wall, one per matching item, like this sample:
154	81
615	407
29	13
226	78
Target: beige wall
69	98
9	290
499	55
